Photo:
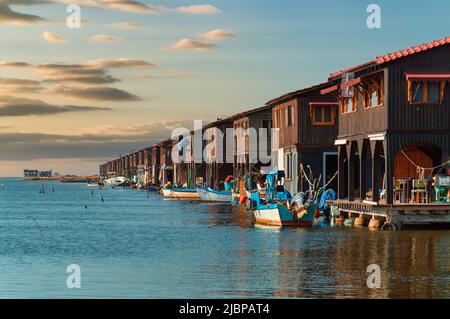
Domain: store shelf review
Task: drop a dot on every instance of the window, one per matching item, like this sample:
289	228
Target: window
290	116
421	92
349	104
277	119
323	114
373	93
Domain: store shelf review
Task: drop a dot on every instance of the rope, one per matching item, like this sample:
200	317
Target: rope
306	177
424	168
331	180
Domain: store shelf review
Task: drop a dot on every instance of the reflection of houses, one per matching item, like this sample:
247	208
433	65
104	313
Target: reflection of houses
394	128
251	145
306	127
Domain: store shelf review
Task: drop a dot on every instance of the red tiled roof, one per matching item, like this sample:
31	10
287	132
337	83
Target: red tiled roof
397	55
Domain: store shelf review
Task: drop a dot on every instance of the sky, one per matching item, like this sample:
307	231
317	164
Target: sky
73	98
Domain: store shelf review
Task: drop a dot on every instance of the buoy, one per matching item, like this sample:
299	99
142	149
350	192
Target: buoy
243	200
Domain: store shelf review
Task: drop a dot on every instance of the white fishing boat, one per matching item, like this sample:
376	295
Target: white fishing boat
212	195
180	193
115	181
94	185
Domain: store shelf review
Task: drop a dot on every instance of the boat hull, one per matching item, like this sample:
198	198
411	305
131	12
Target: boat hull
211	195
278	215
179	193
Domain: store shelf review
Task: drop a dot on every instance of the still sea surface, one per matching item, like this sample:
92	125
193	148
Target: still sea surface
136	245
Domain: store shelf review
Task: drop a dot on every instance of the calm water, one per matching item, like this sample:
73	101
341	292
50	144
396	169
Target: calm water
134	246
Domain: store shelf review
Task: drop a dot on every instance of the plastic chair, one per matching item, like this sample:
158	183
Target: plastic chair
419	191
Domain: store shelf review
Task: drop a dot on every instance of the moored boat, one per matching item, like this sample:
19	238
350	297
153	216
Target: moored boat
279	215
117	181
277	208
212	195
180	193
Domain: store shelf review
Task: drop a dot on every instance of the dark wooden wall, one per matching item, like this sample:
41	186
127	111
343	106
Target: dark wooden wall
315	135
406	117
288	135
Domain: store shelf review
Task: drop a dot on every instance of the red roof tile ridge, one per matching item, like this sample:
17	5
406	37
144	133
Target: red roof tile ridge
388	57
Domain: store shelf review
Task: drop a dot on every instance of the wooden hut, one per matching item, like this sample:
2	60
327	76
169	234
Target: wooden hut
251	146
305	123
394	133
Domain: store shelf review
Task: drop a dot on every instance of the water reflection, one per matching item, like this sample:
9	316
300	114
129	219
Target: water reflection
332	262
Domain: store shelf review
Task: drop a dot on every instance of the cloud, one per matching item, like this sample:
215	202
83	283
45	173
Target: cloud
218	34
121	5
18	82
120	63
191	45
106	141
90	80
74	74
53	37
14	64
129	5
24	86
8	16
89	73
198	9
127	25
105	38
15	106
94	93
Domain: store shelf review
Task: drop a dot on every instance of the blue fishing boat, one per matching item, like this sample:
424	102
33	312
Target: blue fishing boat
276	208
212	195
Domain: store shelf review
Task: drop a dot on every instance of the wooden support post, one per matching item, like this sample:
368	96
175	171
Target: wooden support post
389	171
351	172
362	169
341	169
375	171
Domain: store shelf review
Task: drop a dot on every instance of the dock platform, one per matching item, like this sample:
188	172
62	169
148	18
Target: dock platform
395	215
